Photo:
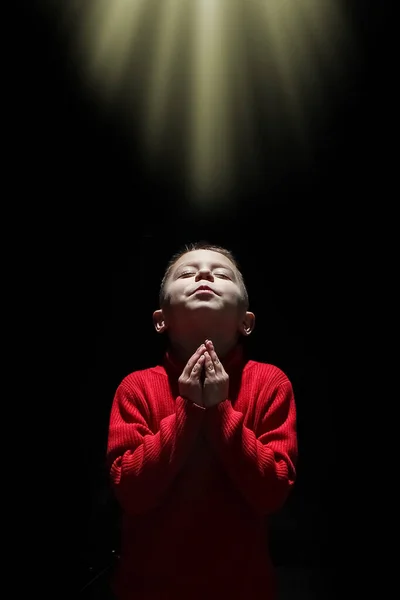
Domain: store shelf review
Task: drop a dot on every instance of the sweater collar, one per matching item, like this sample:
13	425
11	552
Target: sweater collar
233	362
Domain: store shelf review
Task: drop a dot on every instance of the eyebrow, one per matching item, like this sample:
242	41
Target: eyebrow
213	266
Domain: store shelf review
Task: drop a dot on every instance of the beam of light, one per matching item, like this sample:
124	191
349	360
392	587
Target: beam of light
211	97
106	34
163	71
297	35
187	70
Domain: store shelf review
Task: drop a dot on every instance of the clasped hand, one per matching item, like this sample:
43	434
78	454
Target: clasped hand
204	380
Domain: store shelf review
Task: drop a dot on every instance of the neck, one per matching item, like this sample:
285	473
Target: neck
183	349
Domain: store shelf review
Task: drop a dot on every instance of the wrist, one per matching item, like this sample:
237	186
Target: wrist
201	406
193	403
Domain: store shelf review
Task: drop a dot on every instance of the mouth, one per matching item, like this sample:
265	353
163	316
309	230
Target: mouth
204	288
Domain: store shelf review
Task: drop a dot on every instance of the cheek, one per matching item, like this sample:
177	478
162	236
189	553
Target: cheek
233	296
176	295
232	306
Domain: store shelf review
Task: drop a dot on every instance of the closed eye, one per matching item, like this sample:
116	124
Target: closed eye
187	274
192	273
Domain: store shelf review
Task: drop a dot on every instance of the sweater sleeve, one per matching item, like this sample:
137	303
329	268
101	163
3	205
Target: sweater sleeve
143	464
261	466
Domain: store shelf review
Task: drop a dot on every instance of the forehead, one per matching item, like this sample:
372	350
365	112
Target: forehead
206	258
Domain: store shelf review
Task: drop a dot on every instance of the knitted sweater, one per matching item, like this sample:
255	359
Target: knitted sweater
195	485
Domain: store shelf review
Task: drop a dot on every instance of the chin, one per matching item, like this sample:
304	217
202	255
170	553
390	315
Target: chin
204	308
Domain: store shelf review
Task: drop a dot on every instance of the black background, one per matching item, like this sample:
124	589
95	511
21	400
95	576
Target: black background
102	227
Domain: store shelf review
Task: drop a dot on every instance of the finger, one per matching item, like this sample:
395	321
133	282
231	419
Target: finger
193	360
198	366
209	365
214	356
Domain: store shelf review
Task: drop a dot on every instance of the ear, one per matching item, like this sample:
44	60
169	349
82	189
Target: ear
247	324
159	321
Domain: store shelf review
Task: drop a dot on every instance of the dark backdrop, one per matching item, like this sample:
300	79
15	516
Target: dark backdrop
103	226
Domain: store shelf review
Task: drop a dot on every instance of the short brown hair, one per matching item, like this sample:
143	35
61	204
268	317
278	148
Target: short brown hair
201	246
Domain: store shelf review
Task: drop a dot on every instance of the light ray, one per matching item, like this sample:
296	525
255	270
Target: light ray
210	131
188	68
106	37
164	72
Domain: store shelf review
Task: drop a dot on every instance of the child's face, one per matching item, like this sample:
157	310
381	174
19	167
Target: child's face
204	268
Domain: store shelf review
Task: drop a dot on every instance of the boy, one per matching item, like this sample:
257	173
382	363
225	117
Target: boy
201	448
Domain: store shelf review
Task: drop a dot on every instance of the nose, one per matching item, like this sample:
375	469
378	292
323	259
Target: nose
204	273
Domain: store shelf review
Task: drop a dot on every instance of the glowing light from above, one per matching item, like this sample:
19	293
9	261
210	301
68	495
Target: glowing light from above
186	68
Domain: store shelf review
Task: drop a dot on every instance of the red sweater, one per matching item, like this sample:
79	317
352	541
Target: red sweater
195	485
